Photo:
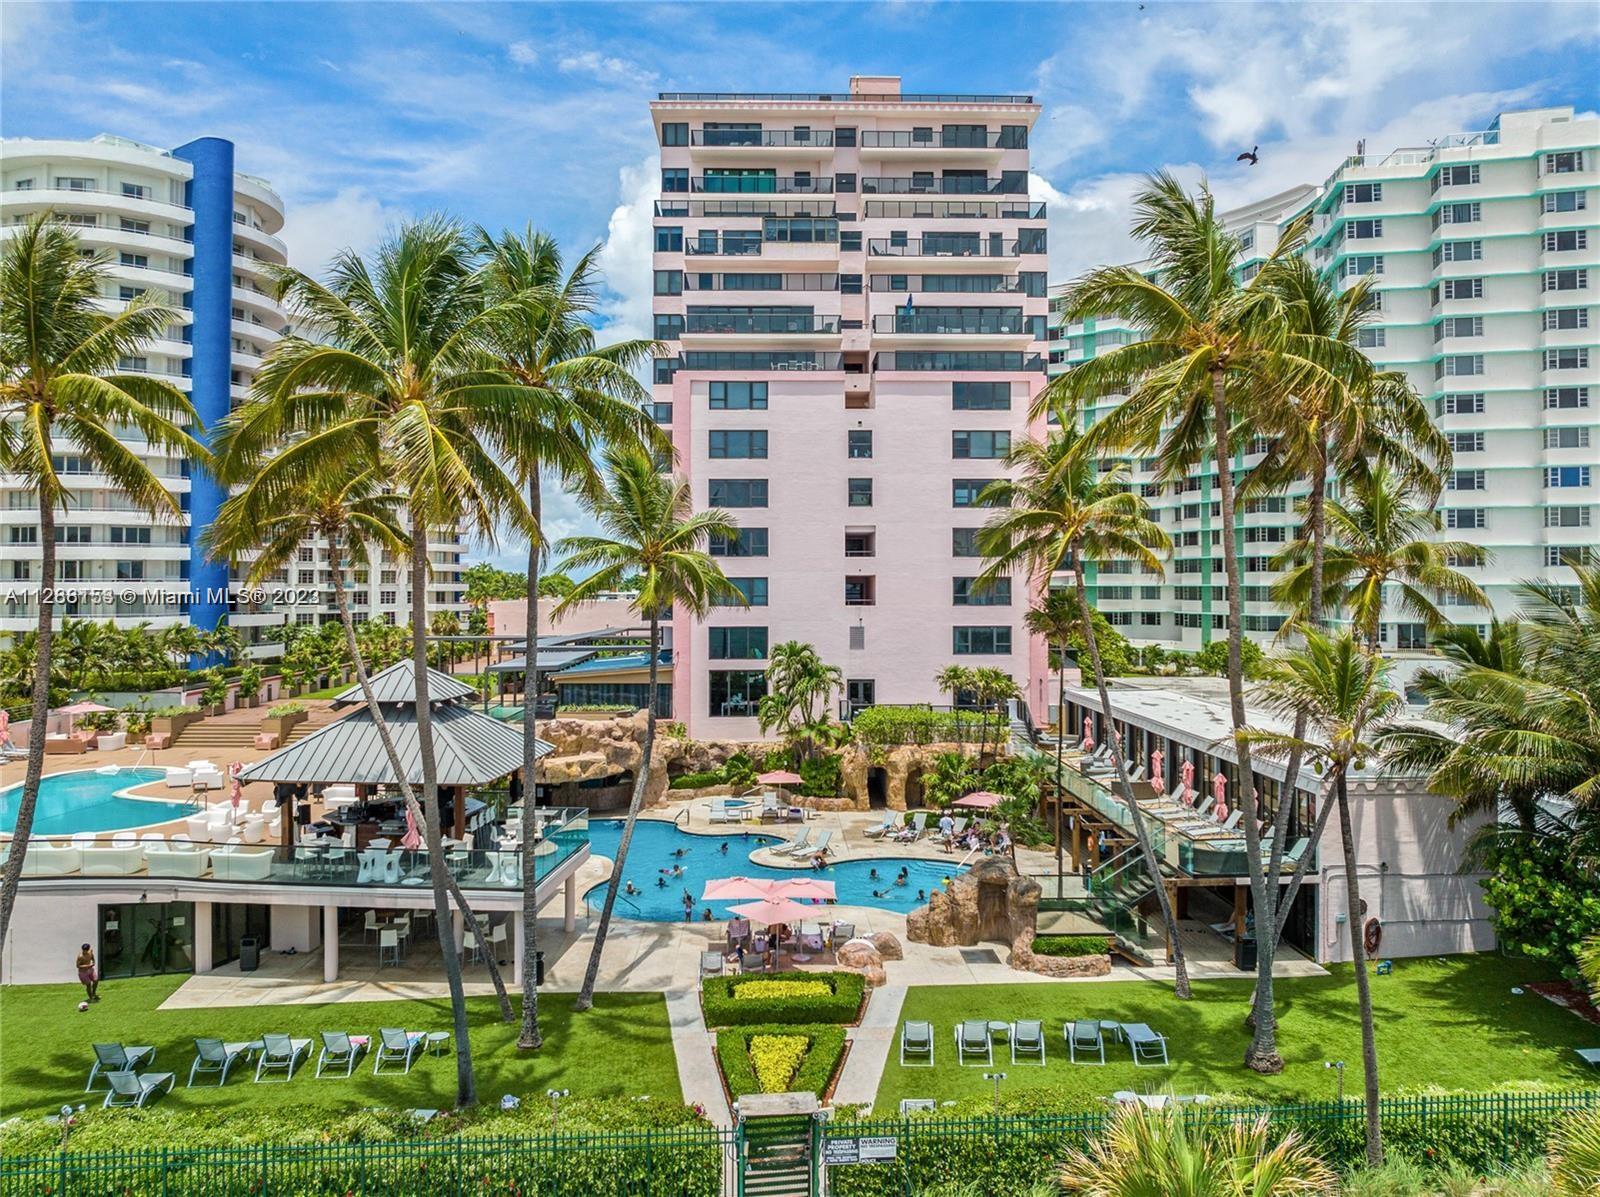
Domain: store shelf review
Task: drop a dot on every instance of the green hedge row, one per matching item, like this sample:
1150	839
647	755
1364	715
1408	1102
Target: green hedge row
1071	945
814	1074
842	1005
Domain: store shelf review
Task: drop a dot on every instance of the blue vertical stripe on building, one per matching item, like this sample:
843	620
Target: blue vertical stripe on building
210	195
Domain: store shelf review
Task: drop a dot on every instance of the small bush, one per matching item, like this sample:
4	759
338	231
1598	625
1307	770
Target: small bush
285	708
839	1002
1071	945
812	1073
752	991
776	1058
696	781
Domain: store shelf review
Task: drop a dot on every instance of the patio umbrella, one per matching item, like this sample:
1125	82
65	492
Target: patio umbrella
83	708
1219	790
733	889
1088	733
773	911
805	887
412	839
5	726
1158	771
981	800
1186	777
780	777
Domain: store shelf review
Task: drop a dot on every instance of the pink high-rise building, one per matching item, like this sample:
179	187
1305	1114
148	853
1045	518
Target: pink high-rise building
851	288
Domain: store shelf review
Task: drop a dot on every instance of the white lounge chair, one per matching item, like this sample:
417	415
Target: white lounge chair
180	779
112	862
720	812
797	847
891	822
45	859
241	864
163	861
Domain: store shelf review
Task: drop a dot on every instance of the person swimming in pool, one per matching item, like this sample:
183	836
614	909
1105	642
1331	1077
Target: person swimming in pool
680	853
724	848
904	877
661	883
922	895
880	893
630	889
872	874
677	870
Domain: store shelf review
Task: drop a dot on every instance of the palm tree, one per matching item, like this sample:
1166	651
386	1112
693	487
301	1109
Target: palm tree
1145	1152
800	685
954	680
1212	349
1377	540
1339	693
650	530
1575	1156
402	375
992	688
1057	618
587	398
61	388
351	516
1058	511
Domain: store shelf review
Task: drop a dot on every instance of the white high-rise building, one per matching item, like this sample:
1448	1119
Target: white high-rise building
1485	251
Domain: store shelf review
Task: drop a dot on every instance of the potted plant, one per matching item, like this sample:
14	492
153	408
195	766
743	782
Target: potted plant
280	719
169	721
214	695
137	722
250	685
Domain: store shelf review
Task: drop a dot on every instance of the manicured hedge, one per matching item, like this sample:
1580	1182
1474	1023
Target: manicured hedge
1071	945
841	1005
815	1072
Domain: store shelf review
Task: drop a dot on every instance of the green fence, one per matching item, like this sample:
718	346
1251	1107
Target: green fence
1486	1132
658	1163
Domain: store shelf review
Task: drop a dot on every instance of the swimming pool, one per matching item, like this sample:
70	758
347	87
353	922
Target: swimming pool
655	842
84	800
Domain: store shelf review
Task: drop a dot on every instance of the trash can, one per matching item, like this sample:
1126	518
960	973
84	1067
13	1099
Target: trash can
538	969
1244	953
249	954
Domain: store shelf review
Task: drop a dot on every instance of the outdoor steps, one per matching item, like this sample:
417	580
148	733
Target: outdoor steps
228	732
777	1157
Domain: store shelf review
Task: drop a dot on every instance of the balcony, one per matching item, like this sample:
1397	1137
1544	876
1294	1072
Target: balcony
1018	207
739	205
860	544
970	143
948	185
759	145
861	591
945	251
958	361
760	185
723	248
992	322
763	323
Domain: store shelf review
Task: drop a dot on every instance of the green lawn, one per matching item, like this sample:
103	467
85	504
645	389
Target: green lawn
621	1047
1452	1023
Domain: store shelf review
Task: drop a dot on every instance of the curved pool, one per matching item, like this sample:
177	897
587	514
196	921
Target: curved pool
655	844
84	800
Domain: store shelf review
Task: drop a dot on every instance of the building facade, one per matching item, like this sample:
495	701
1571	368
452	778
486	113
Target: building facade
188	229
1484	249
852	292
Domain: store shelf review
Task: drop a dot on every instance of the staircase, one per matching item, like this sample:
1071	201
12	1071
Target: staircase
1110	899
779	1150
236	731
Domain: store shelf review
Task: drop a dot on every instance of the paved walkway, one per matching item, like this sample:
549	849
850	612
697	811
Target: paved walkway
870	1045
695	1048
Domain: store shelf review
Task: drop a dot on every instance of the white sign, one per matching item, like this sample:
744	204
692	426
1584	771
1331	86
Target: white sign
880	1150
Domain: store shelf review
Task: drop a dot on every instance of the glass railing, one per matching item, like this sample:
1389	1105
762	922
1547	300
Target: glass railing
906	139
725	249
927	247
762	322
1009	324
777	138
760	184
946	185
560	834
932	208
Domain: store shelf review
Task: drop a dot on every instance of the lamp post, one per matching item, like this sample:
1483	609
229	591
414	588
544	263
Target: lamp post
996	1077
1338	1066
555	1096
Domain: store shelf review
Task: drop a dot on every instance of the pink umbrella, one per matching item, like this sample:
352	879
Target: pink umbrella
1158	771
412	839
772	911
780	777
732	889
982	800
810	888
5	726
1088	733
1219	787
237	797
83	708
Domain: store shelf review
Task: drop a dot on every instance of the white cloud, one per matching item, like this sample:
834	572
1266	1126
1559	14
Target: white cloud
625	258
523	53
605	66
315	230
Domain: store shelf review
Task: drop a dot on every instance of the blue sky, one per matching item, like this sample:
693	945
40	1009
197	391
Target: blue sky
363	113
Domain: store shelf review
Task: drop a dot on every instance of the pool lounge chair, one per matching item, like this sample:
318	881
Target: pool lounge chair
917	1105
711	964
912	832
280	1053
135	1088
1291	858
972	1039
1027	1037
1085	1036
341	1052
797	847
1148	1047
213	1057
916	1040
115	1057
820	847
1589	1055
397	1046
891	821
841	933
722	813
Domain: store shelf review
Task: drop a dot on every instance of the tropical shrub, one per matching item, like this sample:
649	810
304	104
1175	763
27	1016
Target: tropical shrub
215	691
838	1000
1575	1156
137	722
739	770
285	708
820	776
1213	658
811	1073
922	725
98	721
776	1058
1116	655
751	991
1545	904
947	777
696	781
1071	945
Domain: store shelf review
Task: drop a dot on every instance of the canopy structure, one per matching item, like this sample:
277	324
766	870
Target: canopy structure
780	777
397	685
982	800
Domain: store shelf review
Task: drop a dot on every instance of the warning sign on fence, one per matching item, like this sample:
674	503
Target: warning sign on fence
875	1150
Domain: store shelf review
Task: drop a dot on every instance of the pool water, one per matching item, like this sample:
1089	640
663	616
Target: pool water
84	800
654	844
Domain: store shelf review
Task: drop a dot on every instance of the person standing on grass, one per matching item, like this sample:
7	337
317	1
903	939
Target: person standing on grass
88	973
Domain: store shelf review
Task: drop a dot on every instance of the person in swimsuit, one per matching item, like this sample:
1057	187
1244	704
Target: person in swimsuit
88	973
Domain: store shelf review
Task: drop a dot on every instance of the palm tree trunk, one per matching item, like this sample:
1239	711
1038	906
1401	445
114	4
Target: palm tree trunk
1061	789
592	972
23	828
341	599
530	1036
1358	955
1262	1055
1141	832
466	1088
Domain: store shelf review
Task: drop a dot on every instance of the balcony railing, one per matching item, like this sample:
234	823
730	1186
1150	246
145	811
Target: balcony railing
974	360
723	249
760	185
949	284
761	282
760	322
992	322
948	185
736	206
928	247
1017	208
942	139
775	138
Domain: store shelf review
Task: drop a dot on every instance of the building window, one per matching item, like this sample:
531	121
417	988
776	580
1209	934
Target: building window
850	243
669	282
1566	438
737	492
1564	319
844	183
1461	365
72	534
1566	398
1460	326
1362	193
1459	251
1457	176
1371	338
981	396
1565	280
1462	288
859	442
1566	240
964	542
844	137
1565	201
1458	214
965	492
1564	162
965	592
1566	359
754	591
738	396
1465	517
669	326
674	179
1565	476
1566	517
1363	264
746	542
736	692
1465	480
742	443
985	445
849	284
980	641
1465	442
1569	554
737	644
1465	403
675	133
859	492
1363	230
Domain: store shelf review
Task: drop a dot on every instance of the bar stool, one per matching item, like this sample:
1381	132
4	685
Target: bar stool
388	947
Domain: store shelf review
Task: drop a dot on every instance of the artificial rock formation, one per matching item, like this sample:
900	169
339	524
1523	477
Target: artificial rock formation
862	956
888	946
990	902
